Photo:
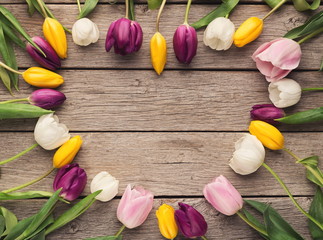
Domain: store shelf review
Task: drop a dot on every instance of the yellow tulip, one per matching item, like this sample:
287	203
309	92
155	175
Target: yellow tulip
55	35
41	77
248	31
270	136
66	153
158	52
166	221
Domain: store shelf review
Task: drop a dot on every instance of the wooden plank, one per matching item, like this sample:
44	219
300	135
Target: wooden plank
176	101
168	164
101	220
236	58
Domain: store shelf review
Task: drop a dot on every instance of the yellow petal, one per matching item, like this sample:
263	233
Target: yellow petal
41	77
248	31
166	221
66	153
158	52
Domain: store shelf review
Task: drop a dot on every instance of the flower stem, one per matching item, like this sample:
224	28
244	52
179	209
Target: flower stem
251	224
188	6
19	154
127	9
204	238
312	89
159	14
29	183
274	9
291	153
313	34
9	68
79	5
15	100
40	3
291	196
120	231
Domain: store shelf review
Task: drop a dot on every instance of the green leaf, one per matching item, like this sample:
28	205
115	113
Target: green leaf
19	228
14	76
255	221
9	33
21	110
10	220
40	236
73	212
5	79
302	5
259	206
316	211
87	8
2	224
272	3
225	8
312	115
313	172
106	238
321	68
24	195
153	4
31	7
40	231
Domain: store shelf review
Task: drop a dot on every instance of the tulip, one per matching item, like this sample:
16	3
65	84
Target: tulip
248	31
72	179
185	43
248	156
85	32
158	52
277	58
51	61
66	153
191	223
223	196
219	34
49	133
284	93
166	221
268	135
125	35
47	98
40	77
107	183
266	112
55	35
134	206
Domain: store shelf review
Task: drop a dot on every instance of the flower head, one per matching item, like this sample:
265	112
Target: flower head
185	43
85	32
107	183
266	112
47	98
166	221
248	31
41	77
158	52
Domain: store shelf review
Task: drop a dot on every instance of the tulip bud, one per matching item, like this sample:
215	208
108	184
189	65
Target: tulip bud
284	93
41	77
104	181
134	206
248	31
85	32
191	223
266	112
248	156
49	133
47	98
268	135
223	196
66	153
55	35
51	61
158	52
218	34
125	35
72	179
185	43
166	221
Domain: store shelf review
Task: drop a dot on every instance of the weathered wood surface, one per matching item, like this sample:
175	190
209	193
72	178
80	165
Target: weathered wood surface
101	220
236	58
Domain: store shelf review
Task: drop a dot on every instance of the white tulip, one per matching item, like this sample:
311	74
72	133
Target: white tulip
248	156
49	133
85	32
284	93
109	184
219	34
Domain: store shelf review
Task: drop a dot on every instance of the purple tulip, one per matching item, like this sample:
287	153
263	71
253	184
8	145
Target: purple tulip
72	179
266	113
47	98
125	35
51	61
191	223
185	43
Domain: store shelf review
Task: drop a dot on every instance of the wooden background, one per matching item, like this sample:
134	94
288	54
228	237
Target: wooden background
172	133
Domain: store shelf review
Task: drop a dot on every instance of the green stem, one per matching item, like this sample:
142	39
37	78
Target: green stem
316	32
188	6
159	14
15	100
291	153
274	9
251	224
127	9
29	183
312	89
40	3
79	5
120	231
291	196
19	154
204	238
9	68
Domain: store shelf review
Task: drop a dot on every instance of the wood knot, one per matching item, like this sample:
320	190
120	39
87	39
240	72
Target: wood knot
293	22
73	227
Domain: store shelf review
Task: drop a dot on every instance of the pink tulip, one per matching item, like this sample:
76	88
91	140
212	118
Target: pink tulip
223	196
277	58
134	206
